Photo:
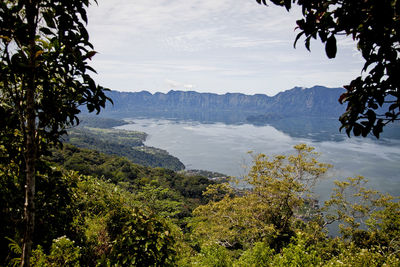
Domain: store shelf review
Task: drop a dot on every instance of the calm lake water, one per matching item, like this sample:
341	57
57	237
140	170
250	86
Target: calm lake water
223	148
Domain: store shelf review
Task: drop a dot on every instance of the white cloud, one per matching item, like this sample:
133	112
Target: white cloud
188	86
172	84
219	45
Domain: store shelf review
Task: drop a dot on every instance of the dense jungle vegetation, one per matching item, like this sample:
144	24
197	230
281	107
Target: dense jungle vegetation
95	209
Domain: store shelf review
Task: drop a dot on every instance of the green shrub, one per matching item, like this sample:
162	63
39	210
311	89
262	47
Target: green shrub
353	256
63	252
141	240
298	253
259	255
213	256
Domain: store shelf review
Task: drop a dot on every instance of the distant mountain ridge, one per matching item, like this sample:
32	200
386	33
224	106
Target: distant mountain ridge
317	101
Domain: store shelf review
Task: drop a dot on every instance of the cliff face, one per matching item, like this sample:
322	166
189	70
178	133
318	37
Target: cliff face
187	100
316	101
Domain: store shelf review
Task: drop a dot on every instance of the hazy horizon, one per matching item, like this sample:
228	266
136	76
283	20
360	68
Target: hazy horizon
209	92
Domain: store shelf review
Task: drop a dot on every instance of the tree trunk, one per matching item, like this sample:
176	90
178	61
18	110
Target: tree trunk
30	138
29	205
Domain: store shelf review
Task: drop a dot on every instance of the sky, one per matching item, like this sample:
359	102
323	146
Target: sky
215	46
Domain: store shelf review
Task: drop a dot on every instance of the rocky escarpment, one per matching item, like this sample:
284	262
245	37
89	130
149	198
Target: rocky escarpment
316	101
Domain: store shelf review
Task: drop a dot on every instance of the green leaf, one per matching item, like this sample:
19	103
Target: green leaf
46	31
377	129
297	38
371	116
323	36
288	4
357	129
90	54
262	2
394	106
330	47
307	44
49	18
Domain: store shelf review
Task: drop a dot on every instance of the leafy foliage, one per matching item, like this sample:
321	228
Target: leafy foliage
54	195
275	223
354	256
113	231
107	228
15	249
161	201
63	253
213	255
269	210
118	169
297	253
87	221
357	207
259	255
143	241
44	49
373	98
46	39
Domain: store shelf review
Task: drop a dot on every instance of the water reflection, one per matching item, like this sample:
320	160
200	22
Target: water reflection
320	129
223	148
316	128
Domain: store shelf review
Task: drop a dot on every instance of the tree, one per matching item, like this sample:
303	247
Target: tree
373	98
274	222
269	211
44	79
367	217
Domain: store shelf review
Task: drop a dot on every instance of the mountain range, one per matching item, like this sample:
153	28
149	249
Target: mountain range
317	101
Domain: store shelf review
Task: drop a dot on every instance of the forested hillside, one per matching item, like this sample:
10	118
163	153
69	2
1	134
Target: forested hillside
121	170
97	133
123	143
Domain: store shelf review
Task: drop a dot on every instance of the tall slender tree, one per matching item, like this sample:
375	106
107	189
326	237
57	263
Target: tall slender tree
44	79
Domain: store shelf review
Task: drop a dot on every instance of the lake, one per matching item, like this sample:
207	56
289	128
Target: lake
223	148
